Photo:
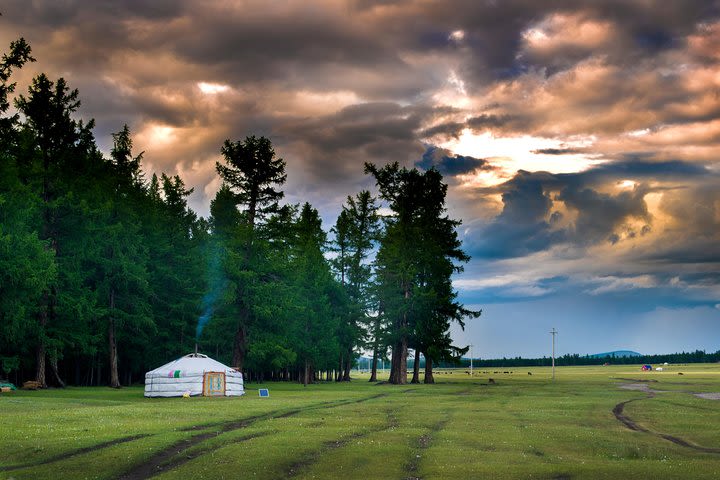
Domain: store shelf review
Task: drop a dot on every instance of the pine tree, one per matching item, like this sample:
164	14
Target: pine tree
121	258
414	265
319	302
252	172
27	266
355	231
60	154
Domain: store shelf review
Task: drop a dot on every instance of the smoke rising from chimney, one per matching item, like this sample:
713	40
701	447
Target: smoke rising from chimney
216	286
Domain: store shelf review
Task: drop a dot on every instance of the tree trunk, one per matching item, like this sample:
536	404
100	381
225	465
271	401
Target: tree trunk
373	368
240	342
348	365
40	370
306	373
40	352
114	377
54	368
398	366
416	367
428	370
338	372
44	308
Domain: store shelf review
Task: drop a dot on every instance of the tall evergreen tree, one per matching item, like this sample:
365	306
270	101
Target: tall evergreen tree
355	231
252	172
27	267
63	153
121	257
178	263
414	267
319	301
19	55
347	335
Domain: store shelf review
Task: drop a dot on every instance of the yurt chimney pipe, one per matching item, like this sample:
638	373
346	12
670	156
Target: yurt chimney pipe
196	349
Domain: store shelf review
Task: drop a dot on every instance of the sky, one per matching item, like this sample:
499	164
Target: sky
580	139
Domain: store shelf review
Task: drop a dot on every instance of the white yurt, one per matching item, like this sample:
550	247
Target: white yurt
194	374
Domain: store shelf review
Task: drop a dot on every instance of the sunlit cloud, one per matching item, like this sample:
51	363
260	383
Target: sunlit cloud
627	184
457	36
156	135
212	88
617	284
324	102
639	133
457	82
558	31
511	154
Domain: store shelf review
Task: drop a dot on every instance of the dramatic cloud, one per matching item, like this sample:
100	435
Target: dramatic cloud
450	165
580	138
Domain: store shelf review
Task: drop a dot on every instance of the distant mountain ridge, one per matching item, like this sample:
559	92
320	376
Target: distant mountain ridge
617	353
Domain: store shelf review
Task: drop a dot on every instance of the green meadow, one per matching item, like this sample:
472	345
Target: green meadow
590	422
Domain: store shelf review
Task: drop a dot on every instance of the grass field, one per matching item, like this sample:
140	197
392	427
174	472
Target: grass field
582	425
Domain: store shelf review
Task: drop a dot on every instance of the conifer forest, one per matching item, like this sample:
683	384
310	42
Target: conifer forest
105	271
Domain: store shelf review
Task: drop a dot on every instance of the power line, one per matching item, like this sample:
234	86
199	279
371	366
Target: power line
553	333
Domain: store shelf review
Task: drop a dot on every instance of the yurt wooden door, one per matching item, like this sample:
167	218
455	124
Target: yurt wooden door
214	384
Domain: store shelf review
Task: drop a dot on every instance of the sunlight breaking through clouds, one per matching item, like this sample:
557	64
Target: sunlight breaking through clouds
156	135
457	36
511	154
212	88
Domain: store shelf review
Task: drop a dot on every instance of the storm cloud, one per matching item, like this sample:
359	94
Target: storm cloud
580	139
450	165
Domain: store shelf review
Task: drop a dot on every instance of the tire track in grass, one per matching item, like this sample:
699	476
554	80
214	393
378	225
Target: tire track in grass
72	453
298	467
619	412
171	456
177	462
423	443
232	425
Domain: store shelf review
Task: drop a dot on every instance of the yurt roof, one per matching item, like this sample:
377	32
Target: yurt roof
192	363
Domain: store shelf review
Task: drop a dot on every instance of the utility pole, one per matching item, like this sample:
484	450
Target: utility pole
553	333
471	365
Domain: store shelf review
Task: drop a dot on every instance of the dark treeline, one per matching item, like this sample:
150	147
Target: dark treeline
698	356
106	272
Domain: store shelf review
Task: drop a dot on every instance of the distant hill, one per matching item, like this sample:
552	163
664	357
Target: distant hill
617	353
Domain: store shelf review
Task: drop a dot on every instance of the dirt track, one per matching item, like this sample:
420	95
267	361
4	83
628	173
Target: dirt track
72	453
619	413
172	456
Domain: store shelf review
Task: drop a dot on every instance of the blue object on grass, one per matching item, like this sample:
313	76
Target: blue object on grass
264	392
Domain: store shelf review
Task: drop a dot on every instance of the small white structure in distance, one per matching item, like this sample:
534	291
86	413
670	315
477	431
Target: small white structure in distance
196	374
659	369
